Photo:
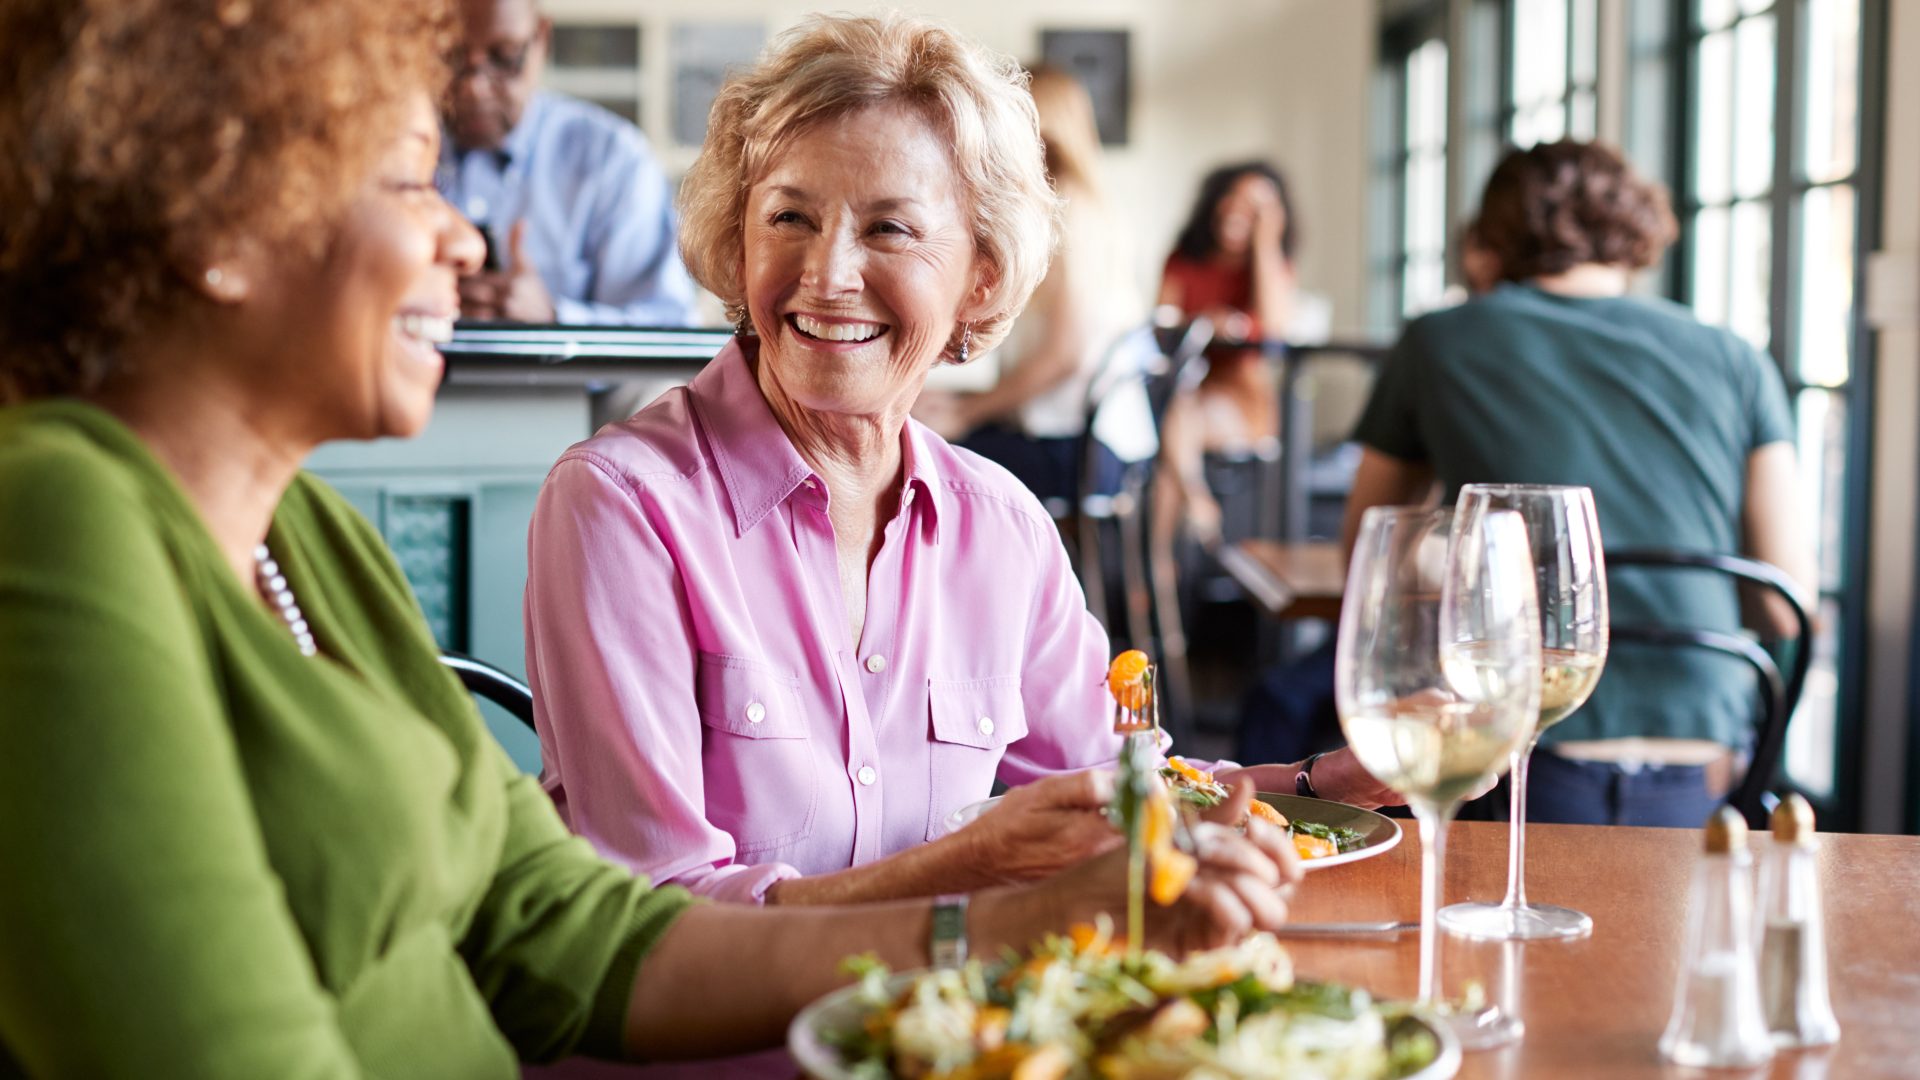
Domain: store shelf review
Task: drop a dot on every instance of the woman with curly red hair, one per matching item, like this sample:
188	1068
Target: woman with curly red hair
1559	375
249	825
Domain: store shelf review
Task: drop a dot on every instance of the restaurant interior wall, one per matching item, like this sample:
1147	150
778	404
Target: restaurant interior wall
1212	81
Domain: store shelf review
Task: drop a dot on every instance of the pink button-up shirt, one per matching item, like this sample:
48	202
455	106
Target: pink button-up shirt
703	716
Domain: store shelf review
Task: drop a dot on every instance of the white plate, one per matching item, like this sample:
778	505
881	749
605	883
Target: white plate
840	1011
1382	832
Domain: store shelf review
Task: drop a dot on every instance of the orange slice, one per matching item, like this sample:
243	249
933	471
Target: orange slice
1198	776
1126	679
1169	869
1267	813
1313	847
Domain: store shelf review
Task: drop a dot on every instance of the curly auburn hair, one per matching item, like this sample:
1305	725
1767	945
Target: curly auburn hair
1558	205
831	66
141	139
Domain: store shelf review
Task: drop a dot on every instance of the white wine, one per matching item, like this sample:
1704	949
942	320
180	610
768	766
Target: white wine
1566	678
1434	751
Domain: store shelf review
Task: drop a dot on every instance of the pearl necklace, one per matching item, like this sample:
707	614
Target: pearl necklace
273	586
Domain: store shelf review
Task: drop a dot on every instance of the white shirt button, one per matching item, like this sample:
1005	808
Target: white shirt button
867	775
986	725
876	663
756	712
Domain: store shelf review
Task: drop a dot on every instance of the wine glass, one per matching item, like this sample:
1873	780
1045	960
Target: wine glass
1572	575
1437	680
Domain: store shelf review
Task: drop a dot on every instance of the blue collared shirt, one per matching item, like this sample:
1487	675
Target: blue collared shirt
600	224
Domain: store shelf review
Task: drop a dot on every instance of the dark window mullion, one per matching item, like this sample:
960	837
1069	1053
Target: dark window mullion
1786	205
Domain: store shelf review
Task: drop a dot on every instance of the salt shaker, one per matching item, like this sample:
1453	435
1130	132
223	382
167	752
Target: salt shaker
1793	938
1717	1017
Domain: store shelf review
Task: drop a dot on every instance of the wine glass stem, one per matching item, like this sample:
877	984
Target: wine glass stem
1517	827
1433	844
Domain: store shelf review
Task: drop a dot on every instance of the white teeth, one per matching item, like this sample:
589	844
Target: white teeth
838	331
436	329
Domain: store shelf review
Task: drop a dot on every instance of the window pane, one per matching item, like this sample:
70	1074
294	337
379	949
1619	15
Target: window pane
1584	29
1833	87
1583	115
1821	445
1539	51
1812	736
1709	256
1750	275
1713	134
1754	66
1826	286
1540	124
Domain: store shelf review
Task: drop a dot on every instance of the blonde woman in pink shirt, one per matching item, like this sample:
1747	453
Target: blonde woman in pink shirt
778	631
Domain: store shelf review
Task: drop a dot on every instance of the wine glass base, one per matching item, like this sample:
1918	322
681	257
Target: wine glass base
1528	922
1489	1029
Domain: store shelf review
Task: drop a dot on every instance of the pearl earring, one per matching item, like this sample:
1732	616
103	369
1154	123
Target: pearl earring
214	277
966	343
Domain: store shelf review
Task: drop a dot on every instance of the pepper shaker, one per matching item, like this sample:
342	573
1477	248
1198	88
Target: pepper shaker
1718	1021
1793	937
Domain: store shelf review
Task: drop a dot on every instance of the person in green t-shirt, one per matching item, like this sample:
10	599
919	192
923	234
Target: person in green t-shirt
1557	375
249	825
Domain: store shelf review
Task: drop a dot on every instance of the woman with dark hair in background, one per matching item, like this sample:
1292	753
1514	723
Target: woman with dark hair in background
1233	264
1682	430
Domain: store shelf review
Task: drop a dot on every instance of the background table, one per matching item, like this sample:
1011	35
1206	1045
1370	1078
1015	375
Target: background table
1289	579
1596	1007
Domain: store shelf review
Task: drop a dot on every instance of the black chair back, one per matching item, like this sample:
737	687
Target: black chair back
1780	694
485	681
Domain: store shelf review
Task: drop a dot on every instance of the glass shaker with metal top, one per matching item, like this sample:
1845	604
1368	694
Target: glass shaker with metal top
1717	1017
1793	937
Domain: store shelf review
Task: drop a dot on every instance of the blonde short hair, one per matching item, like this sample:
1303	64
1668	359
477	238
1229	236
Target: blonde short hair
831	66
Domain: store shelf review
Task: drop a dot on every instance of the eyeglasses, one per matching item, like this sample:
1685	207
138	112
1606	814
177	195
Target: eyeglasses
497	64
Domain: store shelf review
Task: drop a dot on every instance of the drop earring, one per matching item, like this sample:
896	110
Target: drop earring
966	343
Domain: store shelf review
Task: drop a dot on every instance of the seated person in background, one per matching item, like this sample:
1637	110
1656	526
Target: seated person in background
567	193
1031	420
1682	430
249	825
1233	264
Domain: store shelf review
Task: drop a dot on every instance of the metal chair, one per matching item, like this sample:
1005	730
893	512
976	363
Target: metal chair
485	681
1096	522
1780	695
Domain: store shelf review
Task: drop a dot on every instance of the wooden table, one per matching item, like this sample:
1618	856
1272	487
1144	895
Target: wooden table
1301	580
1596	1007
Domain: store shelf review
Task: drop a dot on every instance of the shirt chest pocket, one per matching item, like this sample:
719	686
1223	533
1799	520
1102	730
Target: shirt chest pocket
970	725
756	757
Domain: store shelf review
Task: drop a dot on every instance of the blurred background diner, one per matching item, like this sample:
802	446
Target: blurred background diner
1778	131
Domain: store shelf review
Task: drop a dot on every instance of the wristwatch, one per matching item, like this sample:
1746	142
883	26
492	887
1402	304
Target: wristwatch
949	944
1303	780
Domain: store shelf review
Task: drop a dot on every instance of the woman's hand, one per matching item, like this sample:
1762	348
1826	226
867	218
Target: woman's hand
1043	827
1242	885
1337	777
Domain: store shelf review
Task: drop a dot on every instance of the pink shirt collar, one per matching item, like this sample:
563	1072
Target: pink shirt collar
757	463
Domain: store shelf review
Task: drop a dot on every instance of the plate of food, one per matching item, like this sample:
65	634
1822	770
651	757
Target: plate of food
1325	833
1078	1007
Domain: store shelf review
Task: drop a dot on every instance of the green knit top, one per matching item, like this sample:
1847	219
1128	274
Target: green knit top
221	858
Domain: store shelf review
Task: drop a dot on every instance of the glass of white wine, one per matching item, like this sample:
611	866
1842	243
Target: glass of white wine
1572	581
1437	680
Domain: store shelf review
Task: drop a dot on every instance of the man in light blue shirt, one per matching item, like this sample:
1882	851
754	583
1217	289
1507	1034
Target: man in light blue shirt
578	216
